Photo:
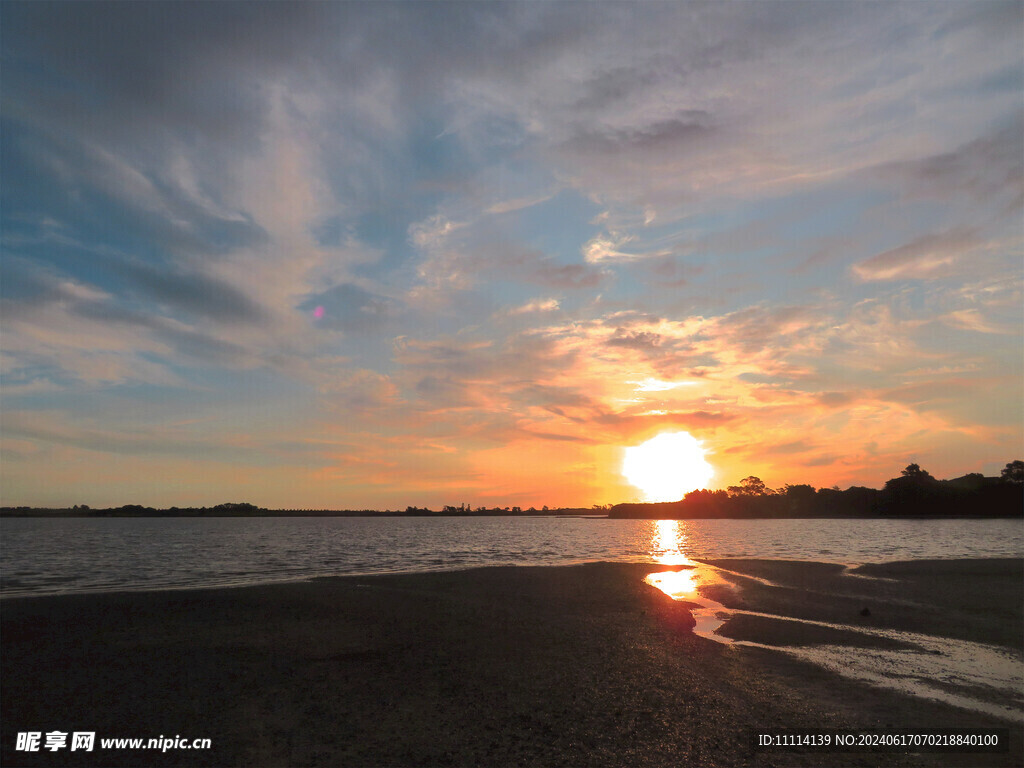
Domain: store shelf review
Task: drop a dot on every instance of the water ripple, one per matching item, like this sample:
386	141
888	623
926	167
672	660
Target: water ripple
42	556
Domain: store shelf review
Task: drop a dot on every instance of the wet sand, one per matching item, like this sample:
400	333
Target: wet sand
579	666
947	630
976	600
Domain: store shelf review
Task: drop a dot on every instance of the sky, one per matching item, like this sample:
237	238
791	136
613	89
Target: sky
347	255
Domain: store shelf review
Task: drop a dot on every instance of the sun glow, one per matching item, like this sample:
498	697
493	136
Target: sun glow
667	467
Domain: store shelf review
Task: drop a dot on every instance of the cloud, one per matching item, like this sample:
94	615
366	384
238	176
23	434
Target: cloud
463	262
67	329
973	320
517	204
606	248
756	328
927	257
639	340
688	132
199	295
152	63
986	168
538	305
520	248
433	233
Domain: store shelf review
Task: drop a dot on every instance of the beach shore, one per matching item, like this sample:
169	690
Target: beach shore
578	665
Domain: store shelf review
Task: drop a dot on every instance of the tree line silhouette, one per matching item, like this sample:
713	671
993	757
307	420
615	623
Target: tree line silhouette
244	509
915	493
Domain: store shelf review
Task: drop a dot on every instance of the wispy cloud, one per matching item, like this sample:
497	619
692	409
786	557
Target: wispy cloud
926	257
539	305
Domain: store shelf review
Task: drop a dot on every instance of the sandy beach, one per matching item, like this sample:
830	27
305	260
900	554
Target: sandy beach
579	666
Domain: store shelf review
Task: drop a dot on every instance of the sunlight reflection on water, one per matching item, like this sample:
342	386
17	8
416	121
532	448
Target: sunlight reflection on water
678	585
965	674
669	540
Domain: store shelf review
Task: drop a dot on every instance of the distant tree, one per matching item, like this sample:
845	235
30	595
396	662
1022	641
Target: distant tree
912	477
749	486
1013	473
915	472
914	492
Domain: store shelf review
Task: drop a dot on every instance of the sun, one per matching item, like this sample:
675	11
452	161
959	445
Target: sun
668	466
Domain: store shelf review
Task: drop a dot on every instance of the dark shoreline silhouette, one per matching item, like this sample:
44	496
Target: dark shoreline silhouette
250	510
915	493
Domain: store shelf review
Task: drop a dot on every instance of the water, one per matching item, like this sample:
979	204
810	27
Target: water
51	556
41	556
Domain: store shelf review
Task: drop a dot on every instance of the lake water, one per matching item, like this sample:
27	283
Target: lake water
47	556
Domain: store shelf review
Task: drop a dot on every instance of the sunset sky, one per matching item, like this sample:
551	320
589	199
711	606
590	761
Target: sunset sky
344	255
